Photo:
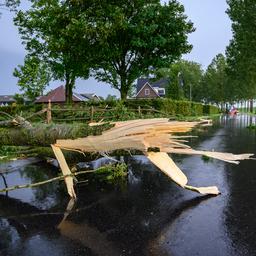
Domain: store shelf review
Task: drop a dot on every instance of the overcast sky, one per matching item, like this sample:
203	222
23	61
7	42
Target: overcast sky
212	35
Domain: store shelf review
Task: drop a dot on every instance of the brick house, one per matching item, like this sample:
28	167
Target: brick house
58	96
147	89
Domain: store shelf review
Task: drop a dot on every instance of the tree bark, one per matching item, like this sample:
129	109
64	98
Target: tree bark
123	94
69	93
251	105
124	88
70	81
45	135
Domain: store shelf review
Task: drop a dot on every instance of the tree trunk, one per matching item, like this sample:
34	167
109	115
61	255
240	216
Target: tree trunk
67	88
69	93
45	135
123	94
70	81
227	109
125	86
222	107
251	105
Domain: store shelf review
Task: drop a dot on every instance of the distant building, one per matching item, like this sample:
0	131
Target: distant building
6	100
147	89
58	96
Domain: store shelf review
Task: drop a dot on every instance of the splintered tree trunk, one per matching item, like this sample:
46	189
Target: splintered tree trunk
145	135
155	138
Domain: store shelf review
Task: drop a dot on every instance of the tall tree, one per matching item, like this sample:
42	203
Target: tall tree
215	85
33	76
47	30
185	79
145	35
119	40
241	53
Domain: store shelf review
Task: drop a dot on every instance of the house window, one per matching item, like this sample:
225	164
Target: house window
147	92
161	92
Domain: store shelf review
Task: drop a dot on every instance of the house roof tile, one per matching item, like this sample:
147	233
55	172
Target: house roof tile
161	83
56	96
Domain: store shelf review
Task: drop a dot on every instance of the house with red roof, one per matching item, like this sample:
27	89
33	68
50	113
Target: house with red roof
58	96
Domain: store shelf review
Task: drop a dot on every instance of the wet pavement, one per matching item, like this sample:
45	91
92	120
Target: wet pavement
150	215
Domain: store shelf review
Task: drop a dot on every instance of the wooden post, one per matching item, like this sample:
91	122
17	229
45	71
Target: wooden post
139	110
92	113
49	113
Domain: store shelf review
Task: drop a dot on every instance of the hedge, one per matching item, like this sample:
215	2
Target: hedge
126	109
174	107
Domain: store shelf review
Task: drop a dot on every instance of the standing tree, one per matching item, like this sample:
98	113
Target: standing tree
185	80
215	84
47	30
144	36
119	40
33	77
241	53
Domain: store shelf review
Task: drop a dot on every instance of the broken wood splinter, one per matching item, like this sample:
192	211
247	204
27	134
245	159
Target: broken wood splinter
142	135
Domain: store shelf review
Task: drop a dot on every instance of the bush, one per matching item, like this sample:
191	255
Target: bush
210	110
173	107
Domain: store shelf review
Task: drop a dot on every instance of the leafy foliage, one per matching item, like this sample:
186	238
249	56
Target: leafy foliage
145	35
251	127
118	40
33	76
47	30
111	174
19	98
8	5
215	85
241	53
185	80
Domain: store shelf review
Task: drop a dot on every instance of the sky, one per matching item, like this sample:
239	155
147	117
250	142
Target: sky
212	35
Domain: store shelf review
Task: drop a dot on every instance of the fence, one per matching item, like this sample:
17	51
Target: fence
95	114
108	111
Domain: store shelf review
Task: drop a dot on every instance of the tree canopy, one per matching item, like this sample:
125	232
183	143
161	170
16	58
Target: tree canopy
147	36
215	84
185	79
47	30
33	76
117	40
9	4
241	53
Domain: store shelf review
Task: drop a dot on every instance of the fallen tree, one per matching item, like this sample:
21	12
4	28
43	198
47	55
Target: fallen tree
155	138
19	132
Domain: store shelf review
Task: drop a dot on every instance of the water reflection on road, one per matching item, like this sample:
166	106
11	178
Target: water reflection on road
151	216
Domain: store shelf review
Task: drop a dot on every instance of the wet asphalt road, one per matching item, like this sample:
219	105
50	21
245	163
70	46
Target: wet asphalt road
149	215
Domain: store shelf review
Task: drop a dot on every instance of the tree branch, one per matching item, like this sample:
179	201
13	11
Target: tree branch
45	181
